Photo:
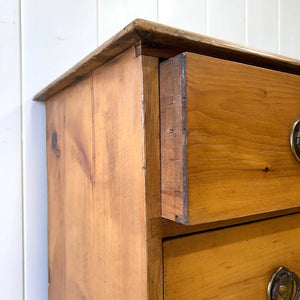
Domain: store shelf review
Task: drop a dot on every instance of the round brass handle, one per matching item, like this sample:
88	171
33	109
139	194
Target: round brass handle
295	140
283	285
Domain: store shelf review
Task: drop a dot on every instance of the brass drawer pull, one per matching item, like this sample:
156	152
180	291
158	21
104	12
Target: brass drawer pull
283	285
295	140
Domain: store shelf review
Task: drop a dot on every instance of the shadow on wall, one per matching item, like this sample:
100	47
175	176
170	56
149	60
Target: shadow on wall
35	199
11	205
29	169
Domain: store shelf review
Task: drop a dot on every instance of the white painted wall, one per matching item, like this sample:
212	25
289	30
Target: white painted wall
11	240
39	40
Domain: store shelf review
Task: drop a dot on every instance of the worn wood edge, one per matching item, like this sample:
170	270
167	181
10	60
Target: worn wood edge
185	220
161	37
164	228
150	66
110	49
174	185
184	146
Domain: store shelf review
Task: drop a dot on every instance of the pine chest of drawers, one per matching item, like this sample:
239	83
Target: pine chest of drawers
170	170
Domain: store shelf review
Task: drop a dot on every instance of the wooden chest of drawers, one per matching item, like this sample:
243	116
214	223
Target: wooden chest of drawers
170	173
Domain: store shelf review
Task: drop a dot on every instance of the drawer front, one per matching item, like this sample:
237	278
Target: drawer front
231	263
225	149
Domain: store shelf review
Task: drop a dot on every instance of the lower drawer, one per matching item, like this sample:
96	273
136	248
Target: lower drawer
231	263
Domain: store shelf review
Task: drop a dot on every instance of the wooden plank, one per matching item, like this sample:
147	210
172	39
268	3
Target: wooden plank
120	243
70	192
156	36
97	212
55	111
151	134
231	263
152	173
238	159
173	140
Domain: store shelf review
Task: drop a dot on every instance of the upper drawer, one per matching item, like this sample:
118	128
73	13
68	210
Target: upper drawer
225	149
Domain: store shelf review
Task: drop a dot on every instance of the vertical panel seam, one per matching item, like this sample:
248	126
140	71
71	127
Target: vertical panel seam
246	23
93	145
279	26
21	143
207	18
97	23
205	3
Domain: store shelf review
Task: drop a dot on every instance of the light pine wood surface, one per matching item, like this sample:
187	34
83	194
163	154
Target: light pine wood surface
225	140
152	173
96	185
70	191
231	263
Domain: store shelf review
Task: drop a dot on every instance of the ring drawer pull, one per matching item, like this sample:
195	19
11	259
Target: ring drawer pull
295	140
283	285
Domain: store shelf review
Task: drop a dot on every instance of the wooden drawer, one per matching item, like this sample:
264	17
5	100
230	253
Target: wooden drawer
231	263
225	130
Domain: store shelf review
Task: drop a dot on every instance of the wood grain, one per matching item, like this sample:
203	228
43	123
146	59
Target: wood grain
96	183
70	193
55	178
238	122
152	172
121	219
231	263
164	41
174	194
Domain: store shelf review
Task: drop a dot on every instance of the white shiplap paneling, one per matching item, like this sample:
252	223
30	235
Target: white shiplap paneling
189	15
226	20
11	261
56	35
290	28
115	14
262	26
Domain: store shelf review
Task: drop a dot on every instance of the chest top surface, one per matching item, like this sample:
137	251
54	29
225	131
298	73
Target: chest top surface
163	41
